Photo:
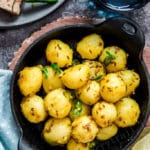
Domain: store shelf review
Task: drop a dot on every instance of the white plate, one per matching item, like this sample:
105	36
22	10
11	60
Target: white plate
28	14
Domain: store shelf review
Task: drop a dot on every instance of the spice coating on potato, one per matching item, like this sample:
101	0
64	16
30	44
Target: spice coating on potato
114	58
113	88
76	76
104	113
57	131
89	93
59	52
107	132
30	80
58	103
97	70
128	112
74	145
52	80
131	79
33	109
84	129
91	46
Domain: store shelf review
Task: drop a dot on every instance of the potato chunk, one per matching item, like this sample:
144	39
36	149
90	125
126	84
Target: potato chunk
97	69
131	79
114	58
58	103
113	88
59	53
30	80
76	76
74	145
52	80
57	131
107	132
128	112
104	113
33	109
90	47
89	93
84	129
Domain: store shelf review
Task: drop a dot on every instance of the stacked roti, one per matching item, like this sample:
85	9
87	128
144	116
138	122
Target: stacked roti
11	6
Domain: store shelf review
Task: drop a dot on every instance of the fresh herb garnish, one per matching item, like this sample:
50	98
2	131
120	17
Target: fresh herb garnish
56	68
91	145
109	58
45	70
98	77
77	108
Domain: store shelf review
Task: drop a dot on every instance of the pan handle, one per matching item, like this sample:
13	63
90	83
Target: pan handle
126	29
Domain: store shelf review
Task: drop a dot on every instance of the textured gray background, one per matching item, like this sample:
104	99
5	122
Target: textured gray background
11	39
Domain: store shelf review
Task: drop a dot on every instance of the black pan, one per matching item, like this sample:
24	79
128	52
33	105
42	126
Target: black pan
116	31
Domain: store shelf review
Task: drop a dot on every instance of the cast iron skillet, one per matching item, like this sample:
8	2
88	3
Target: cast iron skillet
116	31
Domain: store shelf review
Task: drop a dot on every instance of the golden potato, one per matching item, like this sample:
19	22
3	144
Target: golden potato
84	129
104	113
30	80
59	53
79	109
113	88
76	76
51	80
57	131
89	93
97	69
74	145
91	46
128	112
107	132
33	109
114	58
131	79
58	103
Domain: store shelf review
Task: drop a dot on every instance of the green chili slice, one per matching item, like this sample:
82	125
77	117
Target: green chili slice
98	77
109	58
45	70
91	145
56	68
77	108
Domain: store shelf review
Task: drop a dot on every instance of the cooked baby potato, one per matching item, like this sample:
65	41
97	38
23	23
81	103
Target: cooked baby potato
58	103
33	109
113	88
114	58
97	70
79	109
30	80
59	53
131	79
89	93
84	129
76	76
57	131
128	112
51	80
74	145
107	132
91	46
104	113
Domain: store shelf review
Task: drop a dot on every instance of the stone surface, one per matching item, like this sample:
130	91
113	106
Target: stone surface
11	39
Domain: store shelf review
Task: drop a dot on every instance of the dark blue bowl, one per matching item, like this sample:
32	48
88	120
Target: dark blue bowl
122	5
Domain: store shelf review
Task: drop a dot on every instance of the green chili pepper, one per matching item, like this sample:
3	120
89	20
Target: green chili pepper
91	145
98	77
109	58
56	68
45	70
77	108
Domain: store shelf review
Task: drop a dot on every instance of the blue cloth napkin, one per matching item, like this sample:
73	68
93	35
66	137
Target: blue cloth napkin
9	133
